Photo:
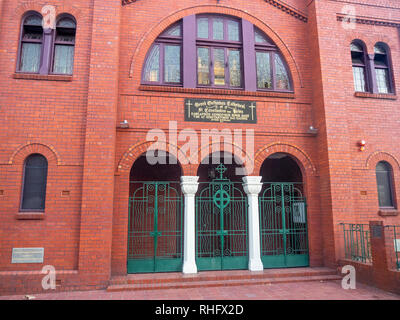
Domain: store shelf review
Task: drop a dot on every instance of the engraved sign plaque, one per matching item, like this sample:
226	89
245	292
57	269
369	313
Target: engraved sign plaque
27	255
222	111
376	231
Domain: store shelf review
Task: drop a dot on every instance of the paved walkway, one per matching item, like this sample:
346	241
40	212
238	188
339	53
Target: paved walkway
330	290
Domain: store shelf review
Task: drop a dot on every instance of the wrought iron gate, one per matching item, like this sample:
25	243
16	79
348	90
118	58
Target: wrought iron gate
283	225
221	226
155	227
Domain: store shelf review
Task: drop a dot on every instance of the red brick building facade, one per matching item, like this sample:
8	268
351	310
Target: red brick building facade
74	121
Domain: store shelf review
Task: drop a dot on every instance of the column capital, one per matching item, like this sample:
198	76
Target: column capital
189	184
252	184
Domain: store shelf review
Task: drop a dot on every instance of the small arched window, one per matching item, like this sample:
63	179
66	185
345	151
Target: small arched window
35	181
384	178
64	45
216	51
382	70
163	64
358	59
31	43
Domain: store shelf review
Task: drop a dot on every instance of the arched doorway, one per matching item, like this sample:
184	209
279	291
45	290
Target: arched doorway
221	215
155	238
283	216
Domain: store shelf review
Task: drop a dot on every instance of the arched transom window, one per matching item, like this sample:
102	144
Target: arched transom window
216	51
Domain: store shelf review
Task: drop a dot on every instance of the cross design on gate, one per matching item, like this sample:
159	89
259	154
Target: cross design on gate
221	170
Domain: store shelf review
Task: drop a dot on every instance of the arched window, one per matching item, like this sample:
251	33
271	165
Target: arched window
64	45
34	185
163	64
358	58
382	71
384	178
31	43
216	51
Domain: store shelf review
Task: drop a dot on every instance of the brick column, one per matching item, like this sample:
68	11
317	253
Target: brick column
99	156
378	252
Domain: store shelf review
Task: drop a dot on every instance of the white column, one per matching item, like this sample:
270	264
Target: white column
189	186
252	186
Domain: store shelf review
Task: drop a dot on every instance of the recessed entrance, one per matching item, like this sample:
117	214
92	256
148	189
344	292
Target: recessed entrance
221	216
283	215
155	217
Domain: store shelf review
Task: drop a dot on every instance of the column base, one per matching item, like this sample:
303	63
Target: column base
189	268
256	265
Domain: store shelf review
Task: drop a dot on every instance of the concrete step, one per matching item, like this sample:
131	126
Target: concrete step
218	283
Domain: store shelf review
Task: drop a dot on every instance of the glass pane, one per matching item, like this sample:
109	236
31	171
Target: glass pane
282	76
384	189
380	49
203	66
66	23
30	57
355	47
233	30
63	59
357	58
359	79
202	28
219	67
264	80
218	29
35	178
382	80
234	68
174	31
172	64
33	20
152	67
33	35
65	38
259	38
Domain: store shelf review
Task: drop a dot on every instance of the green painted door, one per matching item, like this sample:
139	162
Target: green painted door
155	227
283	226
221	225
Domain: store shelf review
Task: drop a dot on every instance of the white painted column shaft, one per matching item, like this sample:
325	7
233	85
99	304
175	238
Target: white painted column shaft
189	186
252	186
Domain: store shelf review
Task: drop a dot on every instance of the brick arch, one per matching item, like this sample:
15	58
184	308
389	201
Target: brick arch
300	155
32	5
377	156
48	151
370	41
147	40
135	151
236	151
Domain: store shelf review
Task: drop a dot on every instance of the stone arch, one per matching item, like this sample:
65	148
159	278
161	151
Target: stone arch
48	151
300	156
377	156
135	151
147	40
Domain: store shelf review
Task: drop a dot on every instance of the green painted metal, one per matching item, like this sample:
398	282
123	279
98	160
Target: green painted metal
392	234
155	227
283	225
357	245
221	225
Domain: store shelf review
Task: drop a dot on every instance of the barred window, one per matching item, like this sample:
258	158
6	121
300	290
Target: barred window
384	178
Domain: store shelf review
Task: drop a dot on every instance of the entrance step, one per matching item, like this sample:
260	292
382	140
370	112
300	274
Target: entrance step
159	281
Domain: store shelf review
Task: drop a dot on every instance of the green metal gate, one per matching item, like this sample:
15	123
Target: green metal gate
283	226
155	227
221	225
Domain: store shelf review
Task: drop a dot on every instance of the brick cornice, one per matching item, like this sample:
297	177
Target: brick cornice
288	9
369	20
125	2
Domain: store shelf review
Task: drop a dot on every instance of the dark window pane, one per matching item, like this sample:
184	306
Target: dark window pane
379	49
66	23
30	57
357	58
282	77
203	66
219	67
63	59
152	67
35	180
218	29
356	47
264	80
234	68
382	80
359	79
233	30
202	28
33	20
383	178
172	64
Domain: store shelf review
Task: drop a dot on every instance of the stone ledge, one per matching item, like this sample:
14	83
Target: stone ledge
30	216
46	77
388	212
375	95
